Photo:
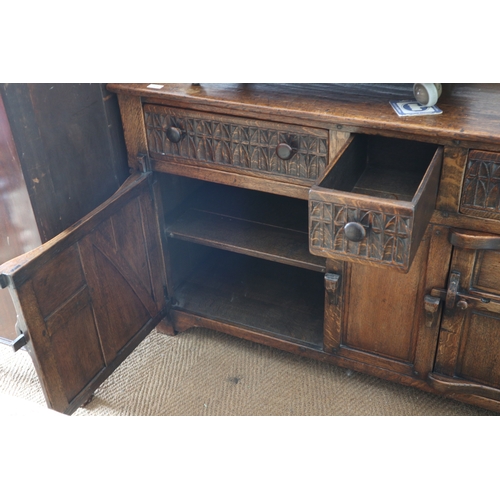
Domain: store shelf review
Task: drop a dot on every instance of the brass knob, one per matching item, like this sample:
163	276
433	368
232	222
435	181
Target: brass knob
354	231
174	134
284	151
462	304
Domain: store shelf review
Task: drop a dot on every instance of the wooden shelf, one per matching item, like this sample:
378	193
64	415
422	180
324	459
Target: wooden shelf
252	223
283	301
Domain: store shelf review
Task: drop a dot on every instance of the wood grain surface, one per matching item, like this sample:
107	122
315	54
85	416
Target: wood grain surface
216	236
18	229
86	298
470	111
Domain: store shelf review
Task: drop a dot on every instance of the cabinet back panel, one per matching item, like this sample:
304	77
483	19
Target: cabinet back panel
254	206
273	298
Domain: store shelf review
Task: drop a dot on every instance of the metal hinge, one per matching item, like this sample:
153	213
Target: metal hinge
20	341
143	160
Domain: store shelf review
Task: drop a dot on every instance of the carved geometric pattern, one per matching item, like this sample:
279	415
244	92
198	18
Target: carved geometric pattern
387	238
246	147
481	188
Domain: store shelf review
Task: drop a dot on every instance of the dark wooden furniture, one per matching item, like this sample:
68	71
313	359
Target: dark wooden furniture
18	229
62	153
310	218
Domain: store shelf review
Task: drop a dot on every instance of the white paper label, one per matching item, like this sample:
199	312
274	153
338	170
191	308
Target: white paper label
413	108
155	86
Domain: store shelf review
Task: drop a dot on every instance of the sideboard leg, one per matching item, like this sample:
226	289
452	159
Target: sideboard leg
89	400
165	327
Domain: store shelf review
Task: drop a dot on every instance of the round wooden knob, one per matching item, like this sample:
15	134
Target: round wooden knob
462	304
284	151
354	231
174	134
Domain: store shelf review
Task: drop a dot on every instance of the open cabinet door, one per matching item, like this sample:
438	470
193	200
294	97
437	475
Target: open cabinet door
86	298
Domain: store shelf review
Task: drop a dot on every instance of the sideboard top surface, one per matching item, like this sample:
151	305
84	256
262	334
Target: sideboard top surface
471	112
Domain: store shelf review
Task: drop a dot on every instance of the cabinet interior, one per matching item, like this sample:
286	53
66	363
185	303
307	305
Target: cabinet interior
241	256
269	297
255	223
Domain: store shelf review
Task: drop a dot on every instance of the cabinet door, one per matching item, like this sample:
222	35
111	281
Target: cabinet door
376	316
468	355
87	297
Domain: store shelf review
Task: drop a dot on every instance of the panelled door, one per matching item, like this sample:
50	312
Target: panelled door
468	355
87	297
376	316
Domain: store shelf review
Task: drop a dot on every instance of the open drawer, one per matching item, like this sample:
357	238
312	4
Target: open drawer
374	203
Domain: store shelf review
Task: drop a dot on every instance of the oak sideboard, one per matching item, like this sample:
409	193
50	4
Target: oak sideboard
307	217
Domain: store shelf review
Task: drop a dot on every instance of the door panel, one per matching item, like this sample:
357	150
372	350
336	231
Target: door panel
387	325
74	339
48	286
486	275
90	295
376	315
481	333
469	342
468	355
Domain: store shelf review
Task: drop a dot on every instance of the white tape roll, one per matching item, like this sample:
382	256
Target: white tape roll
427	94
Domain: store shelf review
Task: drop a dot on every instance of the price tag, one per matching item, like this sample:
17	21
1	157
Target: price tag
413	108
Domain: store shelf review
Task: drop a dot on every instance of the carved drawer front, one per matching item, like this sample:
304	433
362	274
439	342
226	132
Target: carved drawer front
481	186
374	204
243	145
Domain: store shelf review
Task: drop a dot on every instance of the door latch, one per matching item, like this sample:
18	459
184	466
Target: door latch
452	296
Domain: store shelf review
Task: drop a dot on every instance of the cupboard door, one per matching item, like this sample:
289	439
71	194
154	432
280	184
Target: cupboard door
87	297
376	316
468	355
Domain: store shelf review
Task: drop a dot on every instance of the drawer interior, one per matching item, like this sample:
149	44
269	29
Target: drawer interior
381	167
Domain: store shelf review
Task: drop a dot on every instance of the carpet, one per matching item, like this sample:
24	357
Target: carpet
203	372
